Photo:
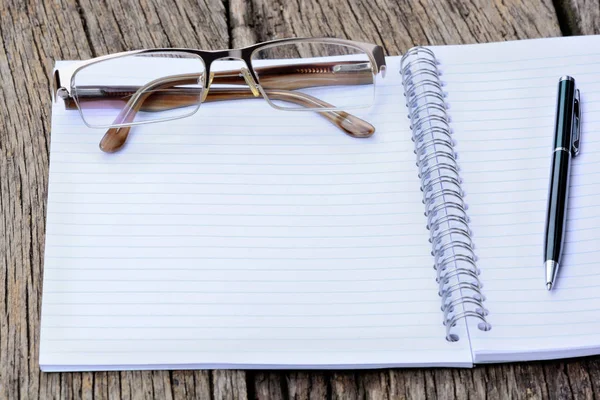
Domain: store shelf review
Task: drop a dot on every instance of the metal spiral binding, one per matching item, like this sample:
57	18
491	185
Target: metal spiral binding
460	288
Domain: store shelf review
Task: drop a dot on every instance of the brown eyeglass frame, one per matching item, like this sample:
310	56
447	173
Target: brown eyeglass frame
161	95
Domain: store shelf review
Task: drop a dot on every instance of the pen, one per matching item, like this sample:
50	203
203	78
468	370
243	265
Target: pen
567	136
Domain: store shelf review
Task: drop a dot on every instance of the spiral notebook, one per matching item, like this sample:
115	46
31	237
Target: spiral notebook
258	238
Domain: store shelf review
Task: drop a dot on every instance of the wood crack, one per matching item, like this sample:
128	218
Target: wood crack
119	30
228	21
251	385
567	19
86	31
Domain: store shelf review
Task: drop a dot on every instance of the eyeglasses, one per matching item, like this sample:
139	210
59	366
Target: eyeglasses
327	76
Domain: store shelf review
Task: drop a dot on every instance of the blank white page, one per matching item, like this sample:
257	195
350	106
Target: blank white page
502	100
241	237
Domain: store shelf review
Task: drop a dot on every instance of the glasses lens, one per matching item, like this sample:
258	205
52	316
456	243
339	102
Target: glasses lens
311	75
139	88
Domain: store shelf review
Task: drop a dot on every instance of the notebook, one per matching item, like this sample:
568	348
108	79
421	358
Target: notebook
247	237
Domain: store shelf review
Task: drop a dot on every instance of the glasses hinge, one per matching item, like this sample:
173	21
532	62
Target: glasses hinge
62	92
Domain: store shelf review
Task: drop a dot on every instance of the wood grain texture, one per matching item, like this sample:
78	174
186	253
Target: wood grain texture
34	34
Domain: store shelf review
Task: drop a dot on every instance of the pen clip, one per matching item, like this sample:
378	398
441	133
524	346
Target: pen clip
576	141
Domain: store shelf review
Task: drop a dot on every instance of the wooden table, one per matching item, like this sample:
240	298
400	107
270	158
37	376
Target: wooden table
34	35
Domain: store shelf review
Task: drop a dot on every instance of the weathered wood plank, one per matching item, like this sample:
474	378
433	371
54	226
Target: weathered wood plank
579	17
33	35
229	385
397	25
186	23
307	385
579	379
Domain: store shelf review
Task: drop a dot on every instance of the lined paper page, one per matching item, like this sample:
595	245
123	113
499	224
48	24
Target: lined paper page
241	237
503	99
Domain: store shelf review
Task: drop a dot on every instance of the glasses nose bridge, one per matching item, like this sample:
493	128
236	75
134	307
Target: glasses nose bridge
246	72
232	54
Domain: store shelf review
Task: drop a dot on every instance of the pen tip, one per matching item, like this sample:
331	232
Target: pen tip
549	286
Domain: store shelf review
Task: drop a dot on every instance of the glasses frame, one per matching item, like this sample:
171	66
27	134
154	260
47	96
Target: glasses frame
116	135
245	54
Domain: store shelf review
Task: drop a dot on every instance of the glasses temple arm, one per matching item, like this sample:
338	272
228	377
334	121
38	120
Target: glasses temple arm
299	76
168	97
115	138
290	77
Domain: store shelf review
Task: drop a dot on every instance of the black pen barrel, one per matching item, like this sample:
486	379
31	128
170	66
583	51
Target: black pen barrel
565	110
556	217
558	194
